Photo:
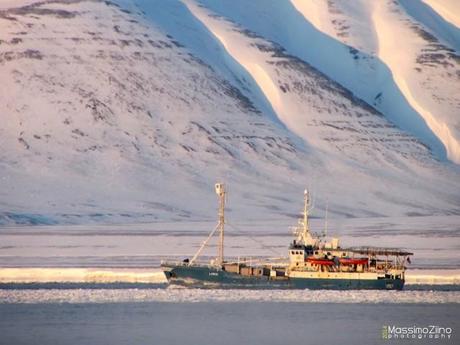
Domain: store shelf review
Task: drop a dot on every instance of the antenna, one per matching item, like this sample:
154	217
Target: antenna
325	221
305	210
312	202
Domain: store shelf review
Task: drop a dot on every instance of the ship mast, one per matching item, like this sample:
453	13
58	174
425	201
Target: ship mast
305	212
220	191
303	230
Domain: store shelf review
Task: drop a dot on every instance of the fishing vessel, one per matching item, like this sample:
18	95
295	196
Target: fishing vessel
313	262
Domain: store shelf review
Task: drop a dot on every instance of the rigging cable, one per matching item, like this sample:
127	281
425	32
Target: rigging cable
258	241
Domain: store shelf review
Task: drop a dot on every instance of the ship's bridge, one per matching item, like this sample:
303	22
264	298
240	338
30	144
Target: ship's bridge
298	253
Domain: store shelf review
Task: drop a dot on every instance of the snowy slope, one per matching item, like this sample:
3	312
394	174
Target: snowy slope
418	74
448	9
363	74
445	31
299	93
117	120
424	55
130	111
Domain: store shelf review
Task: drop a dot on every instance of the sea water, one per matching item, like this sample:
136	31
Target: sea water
88	320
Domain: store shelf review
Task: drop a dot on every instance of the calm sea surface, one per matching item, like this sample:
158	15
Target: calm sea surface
249	322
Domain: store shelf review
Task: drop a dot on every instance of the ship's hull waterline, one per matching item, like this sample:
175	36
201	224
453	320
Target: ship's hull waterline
210	277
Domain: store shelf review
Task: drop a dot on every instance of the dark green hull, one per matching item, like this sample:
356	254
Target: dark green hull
209	277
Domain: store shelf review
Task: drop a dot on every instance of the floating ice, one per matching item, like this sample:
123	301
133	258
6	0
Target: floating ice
80	275
183	295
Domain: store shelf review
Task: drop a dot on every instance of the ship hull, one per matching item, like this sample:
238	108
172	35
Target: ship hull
210	277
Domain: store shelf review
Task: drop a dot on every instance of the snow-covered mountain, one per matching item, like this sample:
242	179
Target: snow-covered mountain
130	110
